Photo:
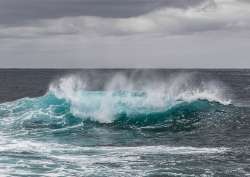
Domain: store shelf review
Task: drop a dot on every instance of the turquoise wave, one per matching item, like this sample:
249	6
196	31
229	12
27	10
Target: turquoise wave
120	109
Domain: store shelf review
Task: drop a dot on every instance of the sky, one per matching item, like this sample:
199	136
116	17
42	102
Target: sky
124	33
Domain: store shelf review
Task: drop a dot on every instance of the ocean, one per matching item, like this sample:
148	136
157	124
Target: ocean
124	122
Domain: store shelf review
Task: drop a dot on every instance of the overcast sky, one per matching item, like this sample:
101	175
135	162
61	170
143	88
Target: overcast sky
125	33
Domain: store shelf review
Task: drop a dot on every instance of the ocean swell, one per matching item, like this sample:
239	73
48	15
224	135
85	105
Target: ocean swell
69	103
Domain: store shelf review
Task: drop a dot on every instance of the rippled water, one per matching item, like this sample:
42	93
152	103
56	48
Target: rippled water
129	123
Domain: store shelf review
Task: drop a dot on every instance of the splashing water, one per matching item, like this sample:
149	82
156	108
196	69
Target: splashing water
127	126
130	99
68	102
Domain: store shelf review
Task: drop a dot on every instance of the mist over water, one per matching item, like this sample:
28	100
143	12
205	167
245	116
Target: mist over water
133	123
121	94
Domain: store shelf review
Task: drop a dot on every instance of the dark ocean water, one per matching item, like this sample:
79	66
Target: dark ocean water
125	123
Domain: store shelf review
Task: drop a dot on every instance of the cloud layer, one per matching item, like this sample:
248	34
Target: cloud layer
124	33
14	12
228	15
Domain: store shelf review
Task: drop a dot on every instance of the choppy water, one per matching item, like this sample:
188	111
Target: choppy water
126	123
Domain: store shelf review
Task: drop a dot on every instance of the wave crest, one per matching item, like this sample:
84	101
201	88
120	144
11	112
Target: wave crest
124	95
140	103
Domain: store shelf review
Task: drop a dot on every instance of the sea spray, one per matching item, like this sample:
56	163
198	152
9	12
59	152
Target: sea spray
130	97
70	102
163	123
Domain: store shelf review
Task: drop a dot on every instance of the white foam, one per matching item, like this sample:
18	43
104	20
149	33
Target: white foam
88	160
19	145
159	95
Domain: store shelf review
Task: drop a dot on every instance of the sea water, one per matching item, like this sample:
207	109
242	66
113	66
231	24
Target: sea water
125	123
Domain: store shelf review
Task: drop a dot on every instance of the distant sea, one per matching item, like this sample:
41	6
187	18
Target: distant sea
124	122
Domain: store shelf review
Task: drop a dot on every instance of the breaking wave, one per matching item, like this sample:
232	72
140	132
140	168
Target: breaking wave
121	102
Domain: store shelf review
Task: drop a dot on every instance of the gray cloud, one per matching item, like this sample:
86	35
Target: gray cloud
124	33
16	12
216	15
210	49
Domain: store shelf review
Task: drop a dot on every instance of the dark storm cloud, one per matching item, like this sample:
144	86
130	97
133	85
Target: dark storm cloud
124	33
101	17
16	12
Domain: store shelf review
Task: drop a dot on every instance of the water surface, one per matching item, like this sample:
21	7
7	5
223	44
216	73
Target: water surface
125	123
